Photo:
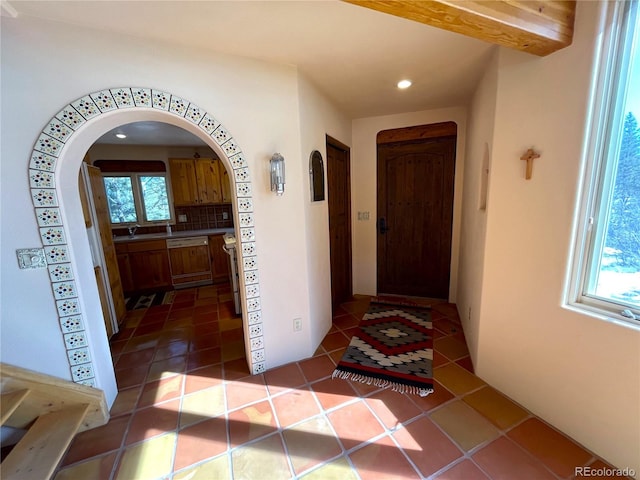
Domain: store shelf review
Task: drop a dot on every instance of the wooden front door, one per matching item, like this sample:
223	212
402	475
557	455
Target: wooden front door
415	210
339	198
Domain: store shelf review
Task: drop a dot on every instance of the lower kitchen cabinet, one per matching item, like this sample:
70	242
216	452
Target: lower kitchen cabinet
219	259
126	276
149	265
150	269
146	263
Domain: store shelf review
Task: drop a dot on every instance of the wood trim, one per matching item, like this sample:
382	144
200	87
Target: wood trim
9	402
38	453
49	394
131	166
338	144
418	132
537	27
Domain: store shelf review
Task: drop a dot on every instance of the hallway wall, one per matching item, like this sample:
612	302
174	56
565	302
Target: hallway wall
47	65
578	372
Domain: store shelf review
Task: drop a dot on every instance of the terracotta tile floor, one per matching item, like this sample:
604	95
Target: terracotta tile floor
188	409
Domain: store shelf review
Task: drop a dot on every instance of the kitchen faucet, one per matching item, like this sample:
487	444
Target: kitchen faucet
132	230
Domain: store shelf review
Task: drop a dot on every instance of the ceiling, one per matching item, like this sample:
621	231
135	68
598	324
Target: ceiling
354	55
151	133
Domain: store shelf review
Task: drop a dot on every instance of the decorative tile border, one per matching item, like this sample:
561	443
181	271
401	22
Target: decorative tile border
45	194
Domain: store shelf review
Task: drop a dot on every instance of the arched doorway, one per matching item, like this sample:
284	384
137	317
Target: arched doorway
57	153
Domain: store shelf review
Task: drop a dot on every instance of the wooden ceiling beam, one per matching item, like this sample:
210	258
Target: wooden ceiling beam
532	26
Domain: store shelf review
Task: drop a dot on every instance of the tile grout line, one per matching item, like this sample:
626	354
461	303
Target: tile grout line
357	397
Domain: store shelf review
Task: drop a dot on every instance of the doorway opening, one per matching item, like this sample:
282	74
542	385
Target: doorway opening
339	199
415	194
53	179
158	213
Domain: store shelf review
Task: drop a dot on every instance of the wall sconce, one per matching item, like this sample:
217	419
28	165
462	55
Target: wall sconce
277	173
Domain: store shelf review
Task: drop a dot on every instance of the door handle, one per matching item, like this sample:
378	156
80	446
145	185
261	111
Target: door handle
382	226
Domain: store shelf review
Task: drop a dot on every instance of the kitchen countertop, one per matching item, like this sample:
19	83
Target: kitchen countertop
165	236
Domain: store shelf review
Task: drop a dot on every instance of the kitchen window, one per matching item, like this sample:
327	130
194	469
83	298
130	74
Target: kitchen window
138	198
605	278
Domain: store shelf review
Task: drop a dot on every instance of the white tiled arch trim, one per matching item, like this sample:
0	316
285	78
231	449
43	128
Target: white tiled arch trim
42	168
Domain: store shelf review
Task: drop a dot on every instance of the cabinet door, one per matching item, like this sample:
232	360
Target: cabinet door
225	185
183	181
150	269
219	259
208	180
125	272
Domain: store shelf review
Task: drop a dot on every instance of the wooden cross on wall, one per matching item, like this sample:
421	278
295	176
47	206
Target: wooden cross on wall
529	156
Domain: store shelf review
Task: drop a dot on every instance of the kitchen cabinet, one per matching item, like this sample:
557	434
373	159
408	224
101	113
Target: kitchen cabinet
183	181
124	266
219	259
146	263
200	181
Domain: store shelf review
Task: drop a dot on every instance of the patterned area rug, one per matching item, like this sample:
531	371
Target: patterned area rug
149	300
392	348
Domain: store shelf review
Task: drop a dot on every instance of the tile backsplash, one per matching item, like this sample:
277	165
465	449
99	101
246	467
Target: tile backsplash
200	217
203	217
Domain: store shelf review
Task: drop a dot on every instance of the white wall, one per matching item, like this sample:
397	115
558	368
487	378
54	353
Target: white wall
47	65
579	373
364	188
318	117
474	220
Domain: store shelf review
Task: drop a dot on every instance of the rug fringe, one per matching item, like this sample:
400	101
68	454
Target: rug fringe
378	382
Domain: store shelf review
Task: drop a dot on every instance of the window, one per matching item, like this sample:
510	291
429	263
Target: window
137	198
606	269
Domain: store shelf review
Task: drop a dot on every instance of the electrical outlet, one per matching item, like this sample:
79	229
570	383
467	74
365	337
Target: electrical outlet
182	218
297	324
225	215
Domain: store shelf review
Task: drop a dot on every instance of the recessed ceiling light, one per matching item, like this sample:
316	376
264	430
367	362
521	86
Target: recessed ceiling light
121	135
404	84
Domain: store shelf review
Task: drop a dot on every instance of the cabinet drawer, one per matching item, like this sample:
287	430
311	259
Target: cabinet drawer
121	247
147	245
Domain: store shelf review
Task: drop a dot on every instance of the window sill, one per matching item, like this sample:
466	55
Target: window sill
602	314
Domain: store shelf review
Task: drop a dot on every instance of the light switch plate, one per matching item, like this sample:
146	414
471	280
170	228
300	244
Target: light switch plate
31	258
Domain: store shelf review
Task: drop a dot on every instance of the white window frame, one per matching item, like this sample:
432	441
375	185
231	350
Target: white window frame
604	130
136	185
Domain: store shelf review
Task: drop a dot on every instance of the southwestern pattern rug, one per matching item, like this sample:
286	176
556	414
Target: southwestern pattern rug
149	300
392	348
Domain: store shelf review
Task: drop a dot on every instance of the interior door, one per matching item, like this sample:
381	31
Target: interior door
415	215
339	200
103	249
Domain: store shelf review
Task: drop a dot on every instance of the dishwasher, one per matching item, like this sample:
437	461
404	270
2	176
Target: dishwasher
189	261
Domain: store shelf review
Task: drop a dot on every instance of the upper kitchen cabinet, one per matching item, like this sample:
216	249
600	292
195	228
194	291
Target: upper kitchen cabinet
200	181
183	181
